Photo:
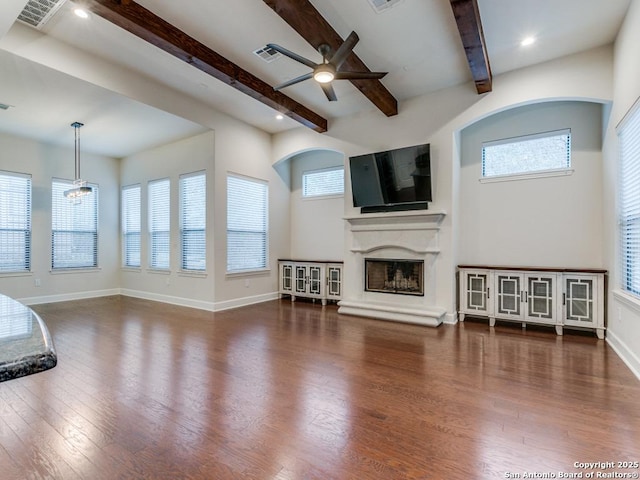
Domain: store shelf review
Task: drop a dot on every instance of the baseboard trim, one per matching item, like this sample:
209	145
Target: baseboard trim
181	301
629	358
170	299
244	301
451	318
65	297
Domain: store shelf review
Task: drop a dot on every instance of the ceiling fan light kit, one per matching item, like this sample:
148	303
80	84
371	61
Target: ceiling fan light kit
327	71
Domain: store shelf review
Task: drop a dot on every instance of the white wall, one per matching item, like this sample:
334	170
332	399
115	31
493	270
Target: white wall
317	227
244	150
551	221
623	332
45	162
170	161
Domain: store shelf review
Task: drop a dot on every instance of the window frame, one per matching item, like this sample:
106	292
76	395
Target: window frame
125	216
307	173
527	174
155	252
182	205
60	200
26	220
628	203
252	269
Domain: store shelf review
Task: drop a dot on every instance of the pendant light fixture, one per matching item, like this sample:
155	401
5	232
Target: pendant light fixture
80	188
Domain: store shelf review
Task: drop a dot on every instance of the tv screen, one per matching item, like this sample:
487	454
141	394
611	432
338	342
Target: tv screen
397	179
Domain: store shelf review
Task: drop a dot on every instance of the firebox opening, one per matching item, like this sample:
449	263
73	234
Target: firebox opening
403	277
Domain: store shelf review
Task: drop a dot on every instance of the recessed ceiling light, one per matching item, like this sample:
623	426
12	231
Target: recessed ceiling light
279	116
527	41
81	13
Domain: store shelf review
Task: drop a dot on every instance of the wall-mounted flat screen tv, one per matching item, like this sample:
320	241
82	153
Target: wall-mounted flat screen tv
394	180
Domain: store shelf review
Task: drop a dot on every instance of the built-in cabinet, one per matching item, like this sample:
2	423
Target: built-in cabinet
311	279
558	297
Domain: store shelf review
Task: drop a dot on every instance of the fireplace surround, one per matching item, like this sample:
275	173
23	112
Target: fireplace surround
380	237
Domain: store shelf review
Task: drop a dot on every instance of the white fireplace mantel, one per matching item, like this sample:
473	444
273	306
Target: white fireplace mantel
400	235
411	220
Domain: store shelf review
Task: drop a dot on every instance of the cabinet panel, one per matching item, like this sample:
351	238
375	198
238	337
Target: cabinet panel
286	277
580	300
301	279
541	298
334	281
475	289
508	295
315	280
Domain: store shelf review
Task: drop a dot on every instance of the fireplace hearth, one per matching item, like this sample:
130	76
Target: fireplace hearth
402	277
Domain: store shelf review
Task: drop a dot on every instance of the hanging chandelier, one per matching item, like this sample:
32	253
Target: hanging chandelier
80	188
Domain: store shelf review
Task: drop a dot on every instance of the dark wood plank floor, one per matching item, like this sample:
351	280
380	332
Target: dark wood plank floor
295	391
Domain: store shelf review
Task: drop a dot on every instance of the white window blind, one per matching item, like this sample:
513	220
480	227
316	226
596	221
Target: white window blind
328	181
159	224
527	154
15	222
131	226
629	200
193	221
74	228
16	320
247	208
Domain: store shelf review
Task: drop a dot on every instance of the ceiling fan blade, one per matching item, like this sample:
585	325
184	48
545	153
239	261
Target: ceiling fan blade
359	75
344	50
292	55
293	81
329	92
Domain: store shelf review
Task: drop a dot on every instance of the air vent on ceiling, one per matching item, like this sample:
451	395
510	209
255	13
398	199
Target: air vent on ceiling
381	5
38	12
267	54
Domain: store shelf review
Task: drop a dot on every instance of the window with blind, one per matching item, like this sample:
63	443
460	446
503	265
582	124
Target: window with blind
15	222
131	226
325	182
193	221
74	228
247	208
629	200
542	152
159	224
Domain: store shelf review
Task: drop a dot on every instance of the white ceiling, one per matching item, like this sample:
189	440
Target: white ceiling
416	41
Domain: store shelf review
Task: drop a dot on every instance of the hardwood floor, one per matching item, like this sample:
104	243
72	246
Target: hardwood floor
283	391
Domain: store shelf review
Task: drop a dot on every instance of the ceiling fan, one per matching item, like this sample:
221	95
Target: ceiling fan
327	71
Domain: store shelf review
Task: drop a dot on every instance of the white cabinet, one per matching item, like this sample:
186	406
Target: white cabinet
317	280
559	297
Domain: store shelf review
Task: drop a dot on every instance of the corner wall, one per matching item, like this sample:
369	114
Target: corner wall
45	162
542	221
317	227
623	332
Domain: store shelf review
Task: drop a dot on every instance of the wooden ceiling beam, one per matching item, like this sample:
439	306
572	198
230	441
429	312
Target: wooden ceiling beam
467	17
144	24
302	16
